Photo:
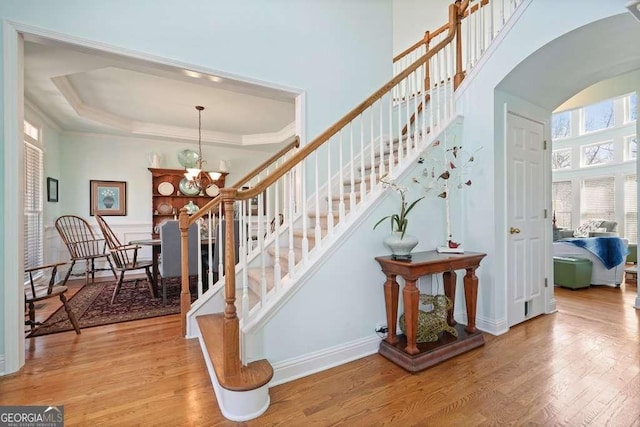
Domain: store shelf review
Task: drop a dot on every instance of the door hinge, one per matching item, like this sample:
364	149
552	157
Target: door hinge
544	144
546	282
545	214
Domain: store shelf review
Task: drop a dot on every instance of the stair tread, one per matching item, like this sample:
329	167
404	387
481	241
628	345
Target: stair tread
250	377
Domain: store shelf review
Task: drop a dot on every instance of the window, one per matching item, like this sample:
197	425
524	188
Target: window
561	159
630	208
33	170
597	199
561	125
597	154
632	147
631	108
562	203
598	116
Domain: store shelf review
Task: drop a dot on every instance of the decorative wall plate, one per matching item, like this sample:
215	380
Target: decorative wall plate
165	208
188	158
213	190
186	189
165	188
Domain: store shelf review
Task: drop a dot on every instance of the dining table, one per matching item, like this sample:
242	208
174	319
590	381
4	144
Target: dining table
156	249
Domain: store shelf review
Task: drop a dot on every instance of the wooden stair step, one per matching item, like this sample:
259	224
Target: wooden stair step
250	377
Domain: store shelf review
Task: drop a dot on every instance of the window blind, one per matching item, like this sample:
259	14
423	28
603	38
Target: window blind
33	233
597	199
562	203
630	208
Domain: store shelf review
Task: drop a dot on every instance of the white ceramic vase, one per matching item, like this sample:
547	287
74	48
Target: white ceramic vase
400	246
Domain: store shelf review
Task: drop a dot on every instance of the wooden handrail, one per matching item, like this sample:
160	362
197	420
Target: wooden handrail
291	143
327	134
474	8
428	36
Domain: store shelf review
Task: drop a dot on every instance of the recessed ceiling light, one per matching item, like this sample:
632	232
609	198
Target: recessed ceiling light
634	8
193	74
215	79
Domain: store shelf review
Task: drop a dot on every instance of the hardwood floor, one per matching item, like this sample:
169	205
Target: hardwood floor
579	366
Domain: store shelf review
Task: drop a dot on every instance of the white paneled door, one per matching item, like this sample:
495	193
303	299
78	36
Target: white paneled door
525	219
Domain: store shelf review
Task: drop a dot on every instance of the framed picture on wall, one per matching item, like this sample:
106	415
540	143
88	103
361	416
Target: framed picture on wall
52	190
108	198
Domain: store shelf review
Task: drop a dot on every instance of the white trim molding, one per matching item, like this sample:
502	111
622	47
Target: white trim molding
301	366
13	86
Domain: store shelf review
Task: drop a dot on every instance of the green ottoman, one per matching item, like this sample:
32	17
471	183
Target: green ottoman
573	273
633	253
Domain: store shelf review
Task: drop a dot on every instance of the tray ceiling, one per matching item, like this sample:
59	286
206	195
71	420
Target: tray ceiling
94	92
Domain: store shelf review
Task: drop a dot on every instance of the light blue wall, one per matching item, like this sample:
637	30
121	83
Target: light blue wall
337	51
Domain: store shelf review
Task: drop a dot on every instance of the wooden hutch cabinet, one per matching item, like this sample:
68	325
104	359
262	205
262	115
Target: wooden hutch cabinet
167	197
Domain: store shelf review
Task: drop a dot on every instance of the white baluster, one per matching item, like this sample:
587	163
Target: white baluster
372	151
341	207
277	266
199	255
305	212
363	180
289	216
318	229
381	169
210	247
329	193
243	259
391	155
263	254
352	171
399	154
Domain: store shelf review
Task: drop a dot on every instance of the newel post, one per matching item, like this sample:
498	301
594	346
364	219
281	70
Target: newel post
185	294
231	325
454	16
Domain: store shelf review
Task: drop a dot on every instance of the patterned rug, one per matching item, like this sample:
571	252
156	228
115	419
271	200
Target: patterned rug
92	306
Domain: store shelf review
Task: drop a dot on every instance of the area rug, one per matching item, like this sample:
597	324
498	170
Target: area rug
92	306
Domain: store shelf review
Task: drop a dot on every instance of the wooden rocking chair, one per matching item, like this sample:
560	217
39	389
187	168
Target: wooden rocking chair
34	292
82	245
125	258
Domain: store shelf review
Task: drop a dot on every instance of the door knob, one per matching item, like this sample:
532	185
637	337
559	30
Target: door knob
514	230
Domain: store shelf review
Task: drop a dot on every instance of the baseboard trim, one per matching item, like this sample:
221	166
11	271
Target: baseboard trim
3	370
311	363
493	327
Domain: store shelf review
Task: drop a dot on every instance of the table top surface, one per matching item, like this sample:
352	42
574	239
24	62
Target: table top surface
429	257
145	242
158	242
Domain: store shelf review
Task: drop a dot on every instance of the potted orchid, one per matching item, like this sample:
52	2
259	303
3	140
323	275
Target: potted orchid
400	243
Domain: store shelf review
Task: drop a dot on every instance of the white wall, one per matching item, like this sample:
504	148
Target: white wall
411	18
337	52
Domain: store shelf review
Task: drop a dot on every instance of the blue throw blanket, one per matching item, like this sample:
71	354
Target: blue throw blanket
610	250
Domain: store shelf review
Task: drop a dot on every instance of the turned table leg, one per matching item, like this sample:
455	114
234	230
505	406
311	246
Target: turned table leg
470	296
391	304
449	279
411	297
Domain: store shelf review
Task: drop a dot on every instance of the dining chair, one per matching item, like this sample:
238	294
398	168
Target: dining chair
125	258
37	289
83	245
170	263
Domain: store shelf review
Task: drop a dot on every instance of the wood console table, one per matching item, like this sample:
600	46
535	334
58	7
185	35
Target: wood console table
403	350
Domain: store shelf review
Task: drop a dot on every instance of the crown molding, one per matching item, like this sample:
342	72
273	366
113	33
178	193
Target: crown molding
69	93
270	138
42	115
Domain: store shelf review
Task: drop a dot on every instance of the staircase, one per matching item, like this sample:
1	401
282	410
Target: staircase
299	209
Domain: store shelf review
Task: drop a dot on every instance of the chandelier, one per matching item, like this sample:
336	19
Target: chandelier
196	177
